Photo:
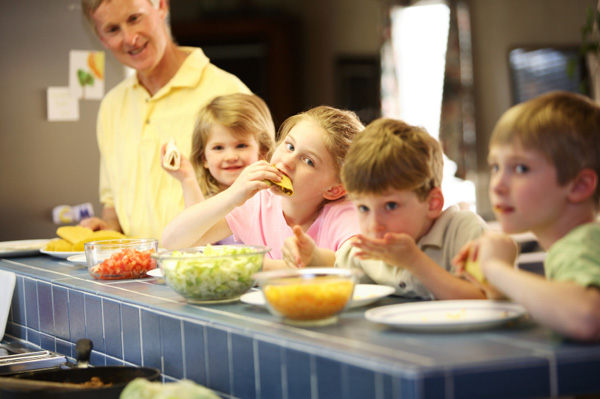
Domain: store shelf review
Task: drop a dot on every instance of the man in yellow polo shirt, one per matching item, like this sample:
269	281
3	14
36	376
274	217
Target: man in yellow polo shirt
158	103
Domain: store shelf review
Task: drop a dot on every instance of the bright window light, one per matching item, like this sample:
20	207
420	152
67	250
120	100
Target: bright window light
420	38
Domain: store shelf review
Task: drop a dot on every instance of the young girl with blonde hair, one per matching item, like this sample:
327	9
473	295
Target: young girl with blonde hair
310	152
231	132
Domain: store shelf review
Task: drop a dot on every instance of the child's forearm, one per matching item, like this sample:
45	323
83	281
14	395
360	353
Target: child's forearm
199	224
566	307
441	283
191	192
322	257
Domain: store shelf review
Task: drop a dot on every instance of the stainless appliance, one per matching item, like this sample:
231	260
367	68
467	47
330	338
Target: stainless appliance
16	358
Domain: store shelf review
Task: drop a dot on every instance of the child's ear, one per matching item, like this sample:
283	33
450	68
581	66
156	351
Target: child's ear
435	198
334	192
583	186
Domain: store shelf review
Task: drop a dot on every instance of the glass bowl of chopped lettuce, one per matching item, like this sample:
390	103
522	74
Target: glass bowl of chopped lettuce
120	258
309	296
213	273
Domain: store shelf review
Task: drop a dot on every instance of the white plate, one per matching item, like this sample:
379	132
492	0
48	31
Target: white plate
79	258
364	294
447	315
22	247
155	273
62	255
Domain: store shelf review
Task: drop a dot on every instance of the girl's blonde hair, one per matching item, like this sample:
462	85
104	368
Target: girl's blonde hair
563	126
391	154
340	126
242	114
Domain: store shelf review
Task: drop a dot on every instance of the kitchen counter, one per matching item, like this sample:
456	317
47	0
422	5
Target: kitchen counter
242	351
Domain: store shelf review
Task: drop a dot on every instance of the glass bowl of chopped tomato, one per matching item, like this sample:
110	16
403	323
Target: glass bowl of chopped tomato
309	296
120	259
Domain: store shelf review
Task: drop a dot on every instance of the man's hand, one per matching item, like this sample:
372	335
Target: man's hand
109	221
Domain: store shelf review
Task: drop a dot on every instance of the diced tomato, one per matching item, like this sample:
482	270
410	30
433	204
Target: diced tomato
128	263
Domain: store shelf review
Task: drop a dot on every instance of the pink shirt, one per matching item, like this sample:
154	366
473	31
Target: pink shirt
260	221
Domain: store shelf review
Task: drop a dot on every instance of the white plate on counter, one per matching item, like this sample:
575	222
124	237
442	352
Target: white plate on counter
79	258
364	294
447	315
22	247
155	273
62	254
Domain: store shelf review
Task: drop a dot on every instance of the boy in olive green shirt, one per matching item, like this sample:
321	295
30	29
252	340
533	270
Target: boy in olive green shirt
545	164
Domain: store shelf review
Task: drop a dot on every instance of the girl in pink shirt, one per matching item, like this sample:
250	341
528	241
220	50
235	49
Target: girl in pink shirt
231	132
311	150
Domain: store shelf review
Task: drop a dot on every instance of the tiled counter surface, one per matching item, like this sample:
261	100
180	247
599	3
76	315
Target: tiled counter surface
241	351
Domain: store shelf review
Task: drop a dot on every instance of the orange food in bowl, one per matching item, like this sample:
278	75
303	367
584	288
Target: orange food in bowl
318	298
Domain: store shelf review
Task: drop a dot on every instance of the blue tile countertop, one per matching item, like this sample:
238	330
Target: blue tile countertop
242	351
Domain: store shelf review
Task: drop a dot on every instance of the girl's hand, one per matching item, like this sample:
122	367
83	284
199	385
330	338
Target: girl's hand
298	249
251	181
394	248
185	171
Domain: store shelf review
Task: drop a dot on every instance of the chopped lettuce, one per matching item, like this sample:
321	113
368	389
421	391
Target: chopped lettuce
141	388
214	274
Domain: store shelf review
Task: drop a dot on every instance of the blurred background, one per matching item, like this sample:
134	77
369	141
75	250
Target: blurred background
472	60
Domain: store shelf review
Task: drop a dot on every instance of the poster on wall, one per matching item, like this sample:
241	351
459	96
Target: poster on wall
86	74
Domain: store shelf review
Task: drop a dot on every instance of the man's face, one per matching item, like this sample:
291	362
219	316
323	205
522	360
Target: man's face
134	31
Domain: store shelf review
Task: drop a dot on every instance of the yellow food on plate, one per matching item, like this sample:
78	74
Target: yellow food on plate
59	245
73	238
98	236
309	301
73	233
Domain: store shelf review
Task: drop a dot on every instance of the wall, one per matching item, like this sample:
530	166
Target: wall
43	164
497	27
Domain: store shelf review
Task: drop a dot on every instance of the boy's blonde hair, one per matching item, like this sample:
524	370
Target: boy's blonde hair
341	126
563	126
241	114
391	154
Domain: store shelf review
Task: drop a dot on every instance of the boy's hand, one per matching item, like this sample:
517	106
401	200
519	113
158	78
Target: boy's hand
298	249
396	249
496	248
490	250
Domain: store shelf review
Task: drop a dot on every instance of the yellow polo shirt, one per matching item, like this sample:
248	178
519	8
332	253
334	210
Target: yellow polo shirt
131	128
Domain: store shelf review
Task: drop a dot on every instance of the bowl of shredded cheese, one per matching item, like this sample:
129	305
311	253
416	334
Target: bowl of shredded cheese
309	296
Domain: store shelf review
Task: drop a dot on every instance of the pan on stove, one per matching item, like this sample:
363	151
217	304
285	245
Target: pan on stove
117	376
114	380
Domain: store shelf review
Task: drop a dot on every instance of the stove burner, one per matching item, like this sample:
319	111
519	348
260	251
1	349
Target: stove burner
15	359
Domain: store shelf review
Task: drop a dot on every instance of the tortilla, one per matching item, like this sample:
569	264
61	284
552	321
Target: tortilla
73	234
172	158
285	185
472	267
98	235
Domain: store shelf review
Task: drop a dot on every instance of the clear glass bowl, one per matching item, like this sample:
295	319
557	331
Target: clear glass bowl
120	259
213	273
307	297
